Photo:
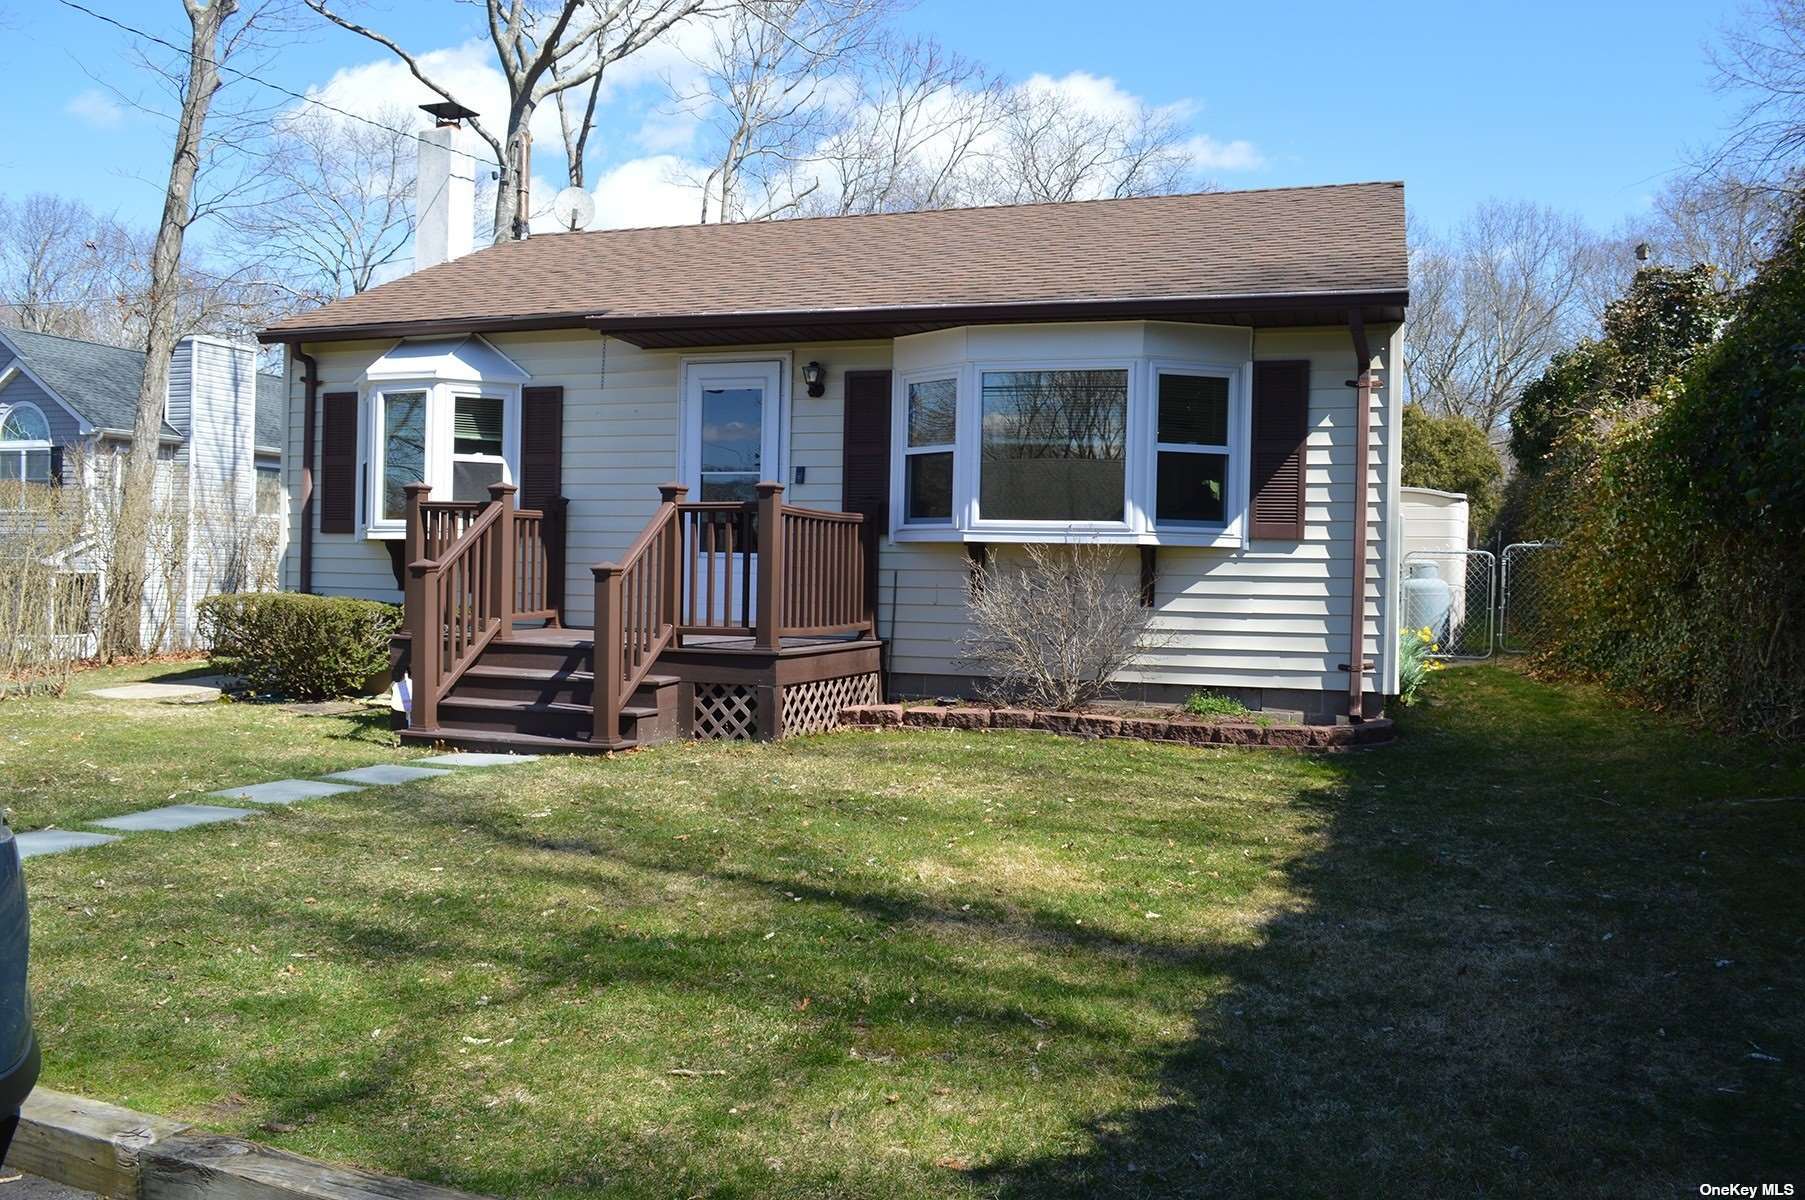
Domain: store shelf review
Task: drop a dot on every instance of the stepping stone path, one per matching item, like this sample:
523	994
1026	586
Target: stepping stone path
172	817
55	841
282	791
386	773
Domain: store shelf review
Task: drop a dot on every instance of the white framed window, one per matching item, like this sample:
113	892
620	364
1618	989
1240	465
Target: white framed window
270	500
1193	419
930	429
1138	450
398	450
1053	446
478	444
26	457
440	411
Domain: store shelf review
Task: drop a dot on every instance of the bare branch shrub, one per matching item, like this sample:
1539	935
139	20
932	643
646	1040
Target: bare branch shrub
47	606
1053	628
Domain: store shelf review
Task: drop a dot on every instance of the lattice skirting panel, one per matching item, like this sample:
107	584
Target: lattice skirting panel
726	712
815	707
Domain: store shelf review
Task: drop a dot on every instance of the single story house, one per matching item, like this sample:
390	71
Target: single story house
67	409
849	409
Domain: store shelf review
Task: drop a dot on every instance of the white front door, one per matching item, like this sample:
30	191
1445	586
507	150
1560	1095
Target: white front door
732	433
732	428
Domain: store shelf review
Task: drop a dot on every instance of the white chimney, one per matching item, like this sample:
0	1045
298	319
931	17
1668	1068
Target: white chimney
444	190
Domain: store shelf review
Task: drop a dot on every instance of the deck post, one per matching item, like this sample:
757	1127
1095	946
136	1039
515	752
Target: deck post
769	627
502	564
606	697
674	494
418	617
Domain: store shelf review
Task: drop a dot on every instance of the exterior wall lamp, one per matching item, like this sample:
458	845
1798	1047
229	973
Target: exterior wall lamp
815	375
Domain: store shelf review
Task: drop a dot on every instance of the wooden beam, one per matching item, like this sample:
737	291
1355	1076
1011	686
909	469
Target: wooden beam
114	1151
85	1144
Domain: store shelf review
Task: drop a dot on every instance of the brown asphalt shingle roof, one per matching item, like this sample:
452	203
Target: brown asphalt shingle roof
1311	241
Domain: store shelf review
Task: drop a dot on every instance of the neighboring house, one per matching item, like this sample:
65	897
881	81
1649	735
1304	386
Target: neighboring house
219	522
1172	375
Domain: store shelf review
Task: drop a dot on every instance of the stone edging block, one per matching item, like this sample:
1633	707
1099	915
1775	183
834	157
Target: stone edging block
1104	725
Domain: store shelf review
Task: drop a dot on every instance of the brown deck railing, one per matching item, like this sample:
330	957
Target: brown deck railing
760	570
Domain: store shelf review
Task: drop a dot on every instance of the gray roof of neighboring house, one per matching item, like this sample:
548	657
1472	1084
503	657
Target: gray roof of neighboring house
99	382
272	410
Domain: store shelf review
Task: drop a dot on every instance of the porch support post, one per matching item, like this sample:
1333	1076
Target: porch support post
606	697
1365	385
769	632
674	494
419	617
502	565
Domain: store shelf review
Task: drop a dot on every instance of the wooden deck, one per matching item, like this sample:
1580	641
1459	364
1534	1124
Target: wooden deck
722	620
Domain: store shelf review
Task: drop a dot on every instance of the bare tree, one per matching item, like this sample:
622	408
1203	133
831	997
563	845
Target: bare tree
337	205
769	84
1052	150
1489	306
65	269
1763	61
543	48
211	39
1728	222
918	134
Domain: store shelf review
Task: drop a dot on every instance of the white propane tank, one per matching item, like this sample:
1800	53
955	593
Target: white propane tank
1428	600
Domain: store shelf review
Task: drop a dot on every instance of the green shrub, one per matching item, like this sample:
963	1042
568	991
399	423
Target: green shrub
1676	491
304	647
1214	704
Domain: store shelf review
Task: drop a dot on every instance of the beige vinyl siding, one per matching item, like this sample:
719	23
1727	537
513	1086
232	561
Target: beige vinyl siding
1270	614
1267	615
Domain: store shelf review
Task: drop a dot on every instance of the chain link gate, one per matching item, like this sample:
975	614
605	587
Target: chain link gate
1524	594
1452	593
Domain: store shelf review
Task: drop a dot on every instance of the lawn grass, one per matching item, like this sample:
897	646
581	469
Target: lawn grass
75	758
1541	946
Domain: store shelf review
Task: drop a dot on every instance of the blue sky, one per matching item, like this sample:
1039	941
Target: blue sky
1584	106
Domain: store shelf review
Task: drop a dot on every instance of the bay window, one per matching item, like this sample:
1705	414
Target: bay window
933	423
1053	445
1192	452
476	446
403	448
1132	449
443	411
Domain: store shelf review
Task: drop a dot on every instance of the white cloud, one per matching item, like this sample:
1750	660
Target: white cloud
96	108
376	90
1211	155
648	191
1102	96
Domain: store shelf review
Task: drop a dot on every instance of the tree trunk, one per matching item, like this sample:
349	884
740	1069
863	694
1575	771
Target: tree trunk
122	626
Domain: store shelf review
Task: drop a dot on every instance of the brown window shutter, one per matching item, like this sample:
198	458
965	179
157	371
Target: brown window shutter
1281	423
865	463
541	446
542	478
865	447
338	462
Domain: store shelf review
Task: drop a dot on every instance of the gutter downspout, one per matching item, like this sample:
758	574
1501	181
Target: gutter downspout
1364	386
308	433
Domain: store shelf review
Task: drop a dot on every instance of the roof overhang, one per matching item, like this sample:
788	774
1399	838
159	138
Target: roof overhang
683	330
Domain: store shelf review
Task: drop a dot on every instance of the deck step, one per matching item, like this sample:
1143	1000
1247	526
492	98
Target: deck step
526	685
488	715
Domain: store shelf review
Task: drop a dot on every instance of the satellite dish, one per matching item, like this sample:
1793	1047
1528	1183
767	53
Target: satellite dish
574	208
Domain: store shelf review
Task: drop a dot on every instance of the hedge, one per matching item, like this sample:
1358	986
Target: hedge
1680	503
303	647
